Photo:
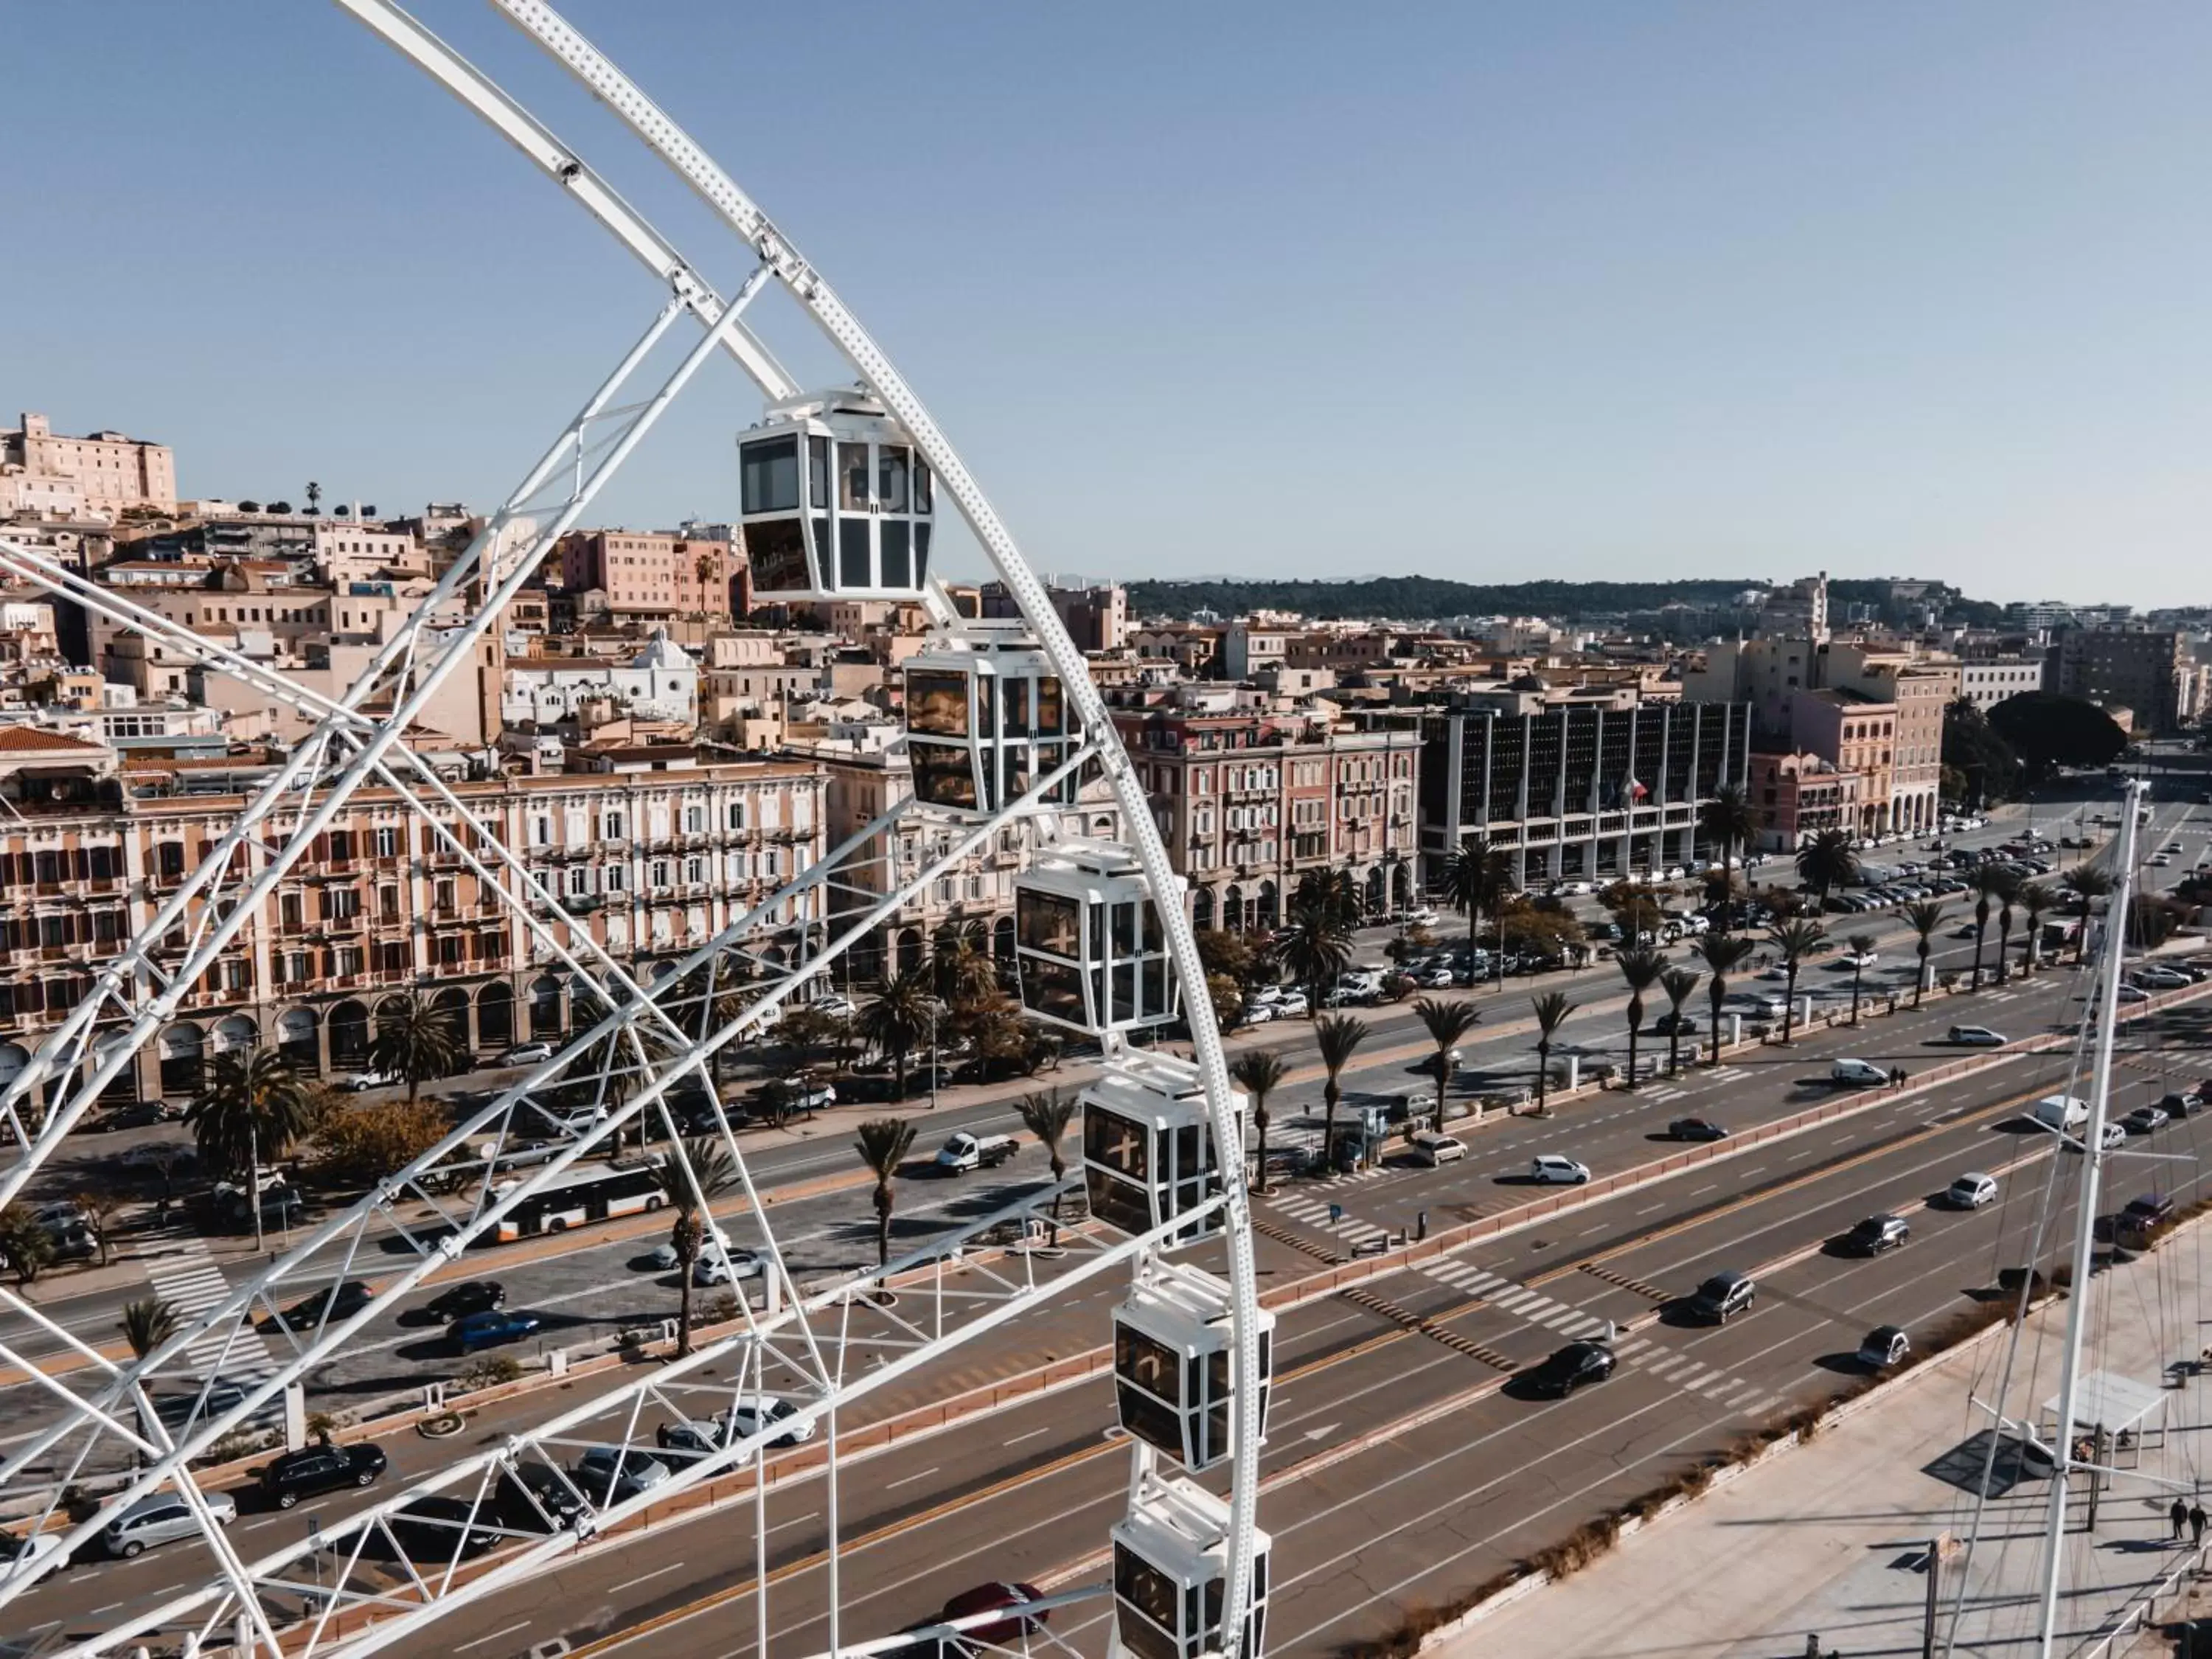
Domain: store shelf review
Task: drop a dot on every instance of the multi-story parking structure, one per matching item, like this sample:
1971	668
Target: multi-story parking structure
651	856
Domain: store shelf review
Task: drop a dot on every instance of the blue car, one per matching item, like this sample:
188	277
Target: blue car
489	1329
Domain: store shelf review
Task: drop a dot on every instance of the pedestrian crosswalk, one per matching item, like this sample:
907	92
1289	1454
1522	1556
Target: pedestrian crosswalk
1314	1213
1532	1307
1666	1093
189	1280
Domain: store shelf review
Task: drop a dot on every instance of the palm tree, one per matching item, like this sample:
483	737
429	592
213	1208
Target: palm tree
253	1105
416	1041
1552	1011
1335	893
1446	1023
1827	861
1259	1071
1796	940
1314	950
1728	817
1045	1113
1641	967
1677	983
688	1192
2036	899
1476	879
2087	883
1338	1036
2006	899
1924	917
1988	883
147	1323
898	1020
960	963
1862	946
883	1146
1722	954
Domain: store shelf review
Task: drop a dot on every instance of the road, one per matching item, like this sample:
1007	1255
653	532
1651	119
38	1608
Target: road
1040	1481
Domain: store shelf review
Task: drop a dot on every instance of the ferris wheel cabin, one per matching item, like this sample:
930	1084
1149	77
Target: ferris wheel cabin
986	721
1148	1150
834	501
1172	1346
1170	1564
1089	943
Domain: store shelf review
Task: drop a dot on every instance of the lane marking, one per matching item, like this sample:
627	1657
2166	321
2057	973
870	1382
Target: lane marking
465	1646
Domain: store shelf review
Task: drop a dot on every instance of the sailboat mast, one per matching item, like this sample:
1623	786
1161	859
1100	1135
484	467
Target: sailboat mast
2084	1221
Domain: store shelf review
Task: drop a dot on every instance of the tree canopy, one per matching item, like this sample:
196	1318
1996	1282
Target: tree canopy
1987	769
2048	731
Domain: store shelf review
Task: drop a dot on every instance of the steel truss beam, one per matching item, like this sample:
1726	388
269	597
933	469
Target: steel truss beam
306	1264
477	1477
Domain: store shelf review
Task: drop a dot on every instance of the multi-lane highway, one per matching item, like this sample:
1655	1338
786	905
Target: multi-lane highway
1403	1467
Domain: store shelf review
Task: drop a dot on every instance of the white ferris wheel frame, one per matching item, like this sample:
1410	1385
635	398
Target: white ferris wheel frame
348	747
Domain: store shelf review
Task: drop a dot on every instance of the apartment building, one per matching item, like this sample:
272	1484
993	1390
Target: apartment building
103	473
1248	802
1587	783
1798	795
2151	673
1852	733
653	574
647	864
1986	682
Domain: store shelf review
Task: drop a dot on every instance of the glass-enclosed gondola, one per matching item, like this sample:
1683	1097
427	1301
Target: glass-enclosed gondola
1148	1150
1173	1342
1170	1566
986	721
834	501
1092	951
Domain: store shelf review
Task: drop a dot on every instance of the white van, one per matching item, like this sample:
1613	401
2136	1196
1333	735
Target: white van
1435	1149
2062	1112
1858	1074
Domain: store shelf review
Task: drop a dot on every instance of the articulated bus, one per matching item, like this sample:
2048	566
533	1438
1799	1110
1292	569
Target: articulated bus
583	1194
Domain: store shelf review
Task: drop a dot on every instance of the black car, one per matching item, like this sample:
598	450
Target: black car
1673	1024
1721	1298
436	1529
534	1496
312	1469
1572	1366
1695	1129
342	1301
459	1301
2178	1105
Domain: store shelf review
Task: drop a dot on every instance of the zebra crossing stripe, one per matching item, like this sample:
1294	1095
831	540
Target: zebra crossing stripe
1559	1319
1632	1345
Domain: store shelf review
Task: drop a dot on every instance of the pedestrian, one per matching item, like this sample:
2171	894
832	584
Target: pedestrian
2197	1519
2178	1514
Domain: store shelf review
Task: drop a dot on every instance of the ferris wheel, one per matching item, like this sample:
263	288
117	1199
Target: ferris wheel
840	490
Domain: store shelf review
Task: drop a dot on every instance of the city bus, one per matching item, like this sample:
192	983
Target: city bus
582	1194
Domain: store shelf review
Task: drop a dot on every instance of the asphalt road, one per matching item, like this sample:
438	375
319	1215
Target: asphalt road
1045	1465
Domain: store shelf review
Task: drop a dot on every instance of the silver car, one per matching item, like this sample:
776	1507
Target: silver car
160	1518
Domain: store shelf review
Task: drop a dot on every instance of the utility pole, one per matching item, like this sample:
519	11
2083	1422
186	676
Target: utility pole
253	1183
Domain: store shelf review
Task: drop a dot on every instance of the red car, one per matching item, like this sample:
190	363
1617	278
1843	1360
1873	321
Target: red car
983	1598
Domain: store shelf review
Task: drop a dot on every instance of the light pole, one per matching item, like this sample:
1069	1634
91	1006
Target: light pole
253	1180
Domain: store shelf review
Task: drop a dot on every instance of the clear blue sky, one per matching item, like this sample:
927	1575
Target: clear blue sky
1485	291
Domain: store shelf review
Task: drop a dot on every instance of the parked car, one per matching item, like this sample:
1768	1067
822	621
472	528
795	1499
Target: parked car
160	1518
535	1499
527	1054
712	1270
26	1559
609	1475
2161	979
1976	1037
152	1154
1671	1024
965	1152
1970	1191
1552	1168
1570	1367
474	1295
687	1440
221	1395
441	1529
1435	1149
2176	1103
1883	1346
1723	1297
303	1473
1876	1234
2135	1224
1292	1005
1256	1013
361	1081
836	1005
1695	1129
756	1411
2130	993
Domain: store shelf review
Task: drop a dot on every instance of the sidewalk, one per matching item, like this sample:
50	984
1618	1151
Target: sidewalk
1830	1539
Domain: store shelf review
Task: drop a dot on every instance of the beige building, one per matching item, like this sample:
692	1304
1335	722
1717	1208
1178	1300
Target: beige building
102	473
347	552
651	573
650	864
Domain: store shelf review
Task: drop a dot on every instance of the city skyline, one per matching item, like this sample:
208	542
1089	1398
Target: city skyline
1671	293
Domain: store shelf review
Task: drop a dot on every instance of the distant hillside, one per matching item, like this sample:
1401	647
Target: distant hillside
1410	599
1415	599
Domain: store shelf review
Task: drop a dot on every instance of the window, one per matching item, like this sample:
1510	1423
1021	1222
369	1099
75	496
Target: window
615	877
737	815
695	871
657	874
388	903
580	880
341	903
388	844
769	474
